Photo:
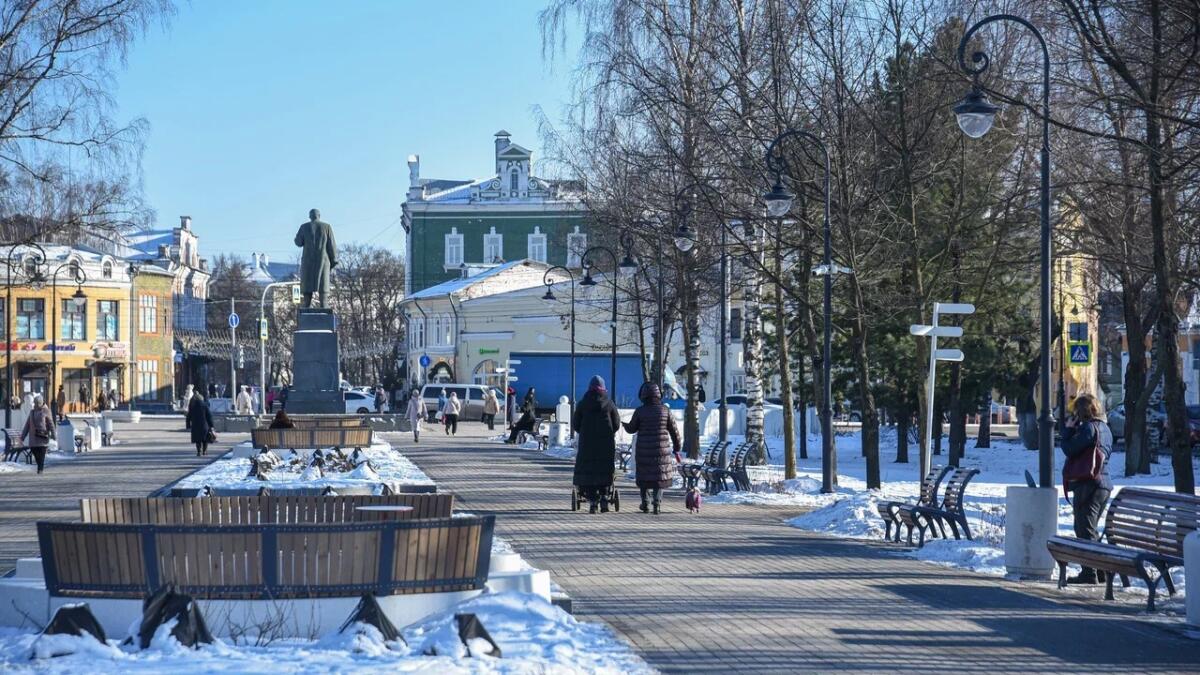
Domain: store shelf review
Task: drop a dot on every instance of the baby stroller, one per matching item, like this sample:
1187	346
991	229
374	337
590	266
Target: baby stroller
608	495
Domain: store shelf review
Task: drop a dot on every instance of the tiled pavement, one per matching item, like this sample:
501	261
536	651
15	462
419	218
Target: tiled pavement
150	454
734	589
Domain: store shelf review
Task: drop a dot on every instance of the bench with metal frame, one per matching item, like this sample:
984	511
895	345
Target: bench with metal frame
312	438
267	561
14	448
624	454
1143	531
890	511
692	472
735	471
322	421
254	510
950	512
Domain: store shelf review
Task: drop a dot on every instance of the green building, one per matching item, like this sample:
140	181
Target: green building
459	228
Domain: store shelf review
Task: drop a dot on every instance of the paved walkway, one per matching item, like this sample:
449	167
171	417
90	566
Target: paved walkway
735	589
150	454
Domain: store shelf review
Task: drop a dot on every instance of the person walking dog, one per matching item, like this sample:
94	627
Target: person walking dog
657	444
1087	443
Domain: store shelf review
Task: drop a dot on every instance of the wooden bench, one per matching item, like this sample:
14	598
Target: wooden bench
14	448
692	472
624	454
257	510
267	561
316	437
735	471
950	512
890	511
1144	530
325	422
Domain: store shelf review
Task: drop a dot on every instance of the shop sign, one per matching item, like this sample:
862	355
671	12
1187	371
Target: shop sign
111	351
488	350
35	347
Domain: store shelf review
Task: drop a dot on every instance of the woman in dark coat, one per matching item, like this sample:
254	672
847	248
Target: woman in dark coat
528	416
1084	431
201	420
657	449
596	420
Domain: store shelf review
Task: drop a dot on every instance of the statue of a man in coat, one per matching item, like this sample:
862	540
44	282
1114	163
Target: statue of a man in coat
319	258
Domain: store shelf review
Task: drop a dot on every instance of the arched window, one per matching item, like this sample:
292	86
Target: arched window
419	334
106	269
436	330
448	327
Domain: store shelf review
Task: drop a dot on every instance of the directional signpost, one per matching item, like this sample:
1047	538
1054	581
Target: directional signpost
933	332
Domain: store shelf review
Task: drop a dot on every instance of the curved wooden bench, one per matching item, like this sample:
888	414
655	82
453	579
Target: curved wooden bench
890	511
1143	531
316	437
255	510
268	561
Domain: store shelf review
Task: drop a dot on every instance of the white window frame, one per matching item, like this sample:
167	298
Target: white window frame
448	330
454	248
493	247
419	333
147	379
576	247
436	331
148	314
536	241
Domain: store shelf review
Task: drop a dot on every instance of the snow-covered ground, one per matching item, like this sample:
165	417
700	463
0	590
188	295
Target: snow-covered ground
850	510
533	636
51	457
387	466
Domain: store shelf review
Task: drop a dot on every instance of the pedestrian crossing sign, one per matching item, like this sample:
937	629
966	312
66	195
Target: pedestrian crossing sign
1079	353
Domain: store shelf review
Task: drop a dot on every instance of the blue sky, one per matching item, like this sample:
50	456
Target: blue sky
260	110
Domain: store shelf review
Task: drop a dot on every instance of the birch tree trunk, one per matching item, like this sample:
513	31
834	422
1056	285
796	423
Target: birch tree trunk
752	336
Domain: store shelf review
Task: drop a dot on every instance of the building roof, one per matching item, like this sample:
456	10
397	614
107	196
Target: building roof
459	287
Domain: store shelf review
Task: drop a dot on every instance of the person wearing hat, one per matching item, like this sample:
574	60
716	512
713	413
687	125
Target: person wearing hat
657	442
596	420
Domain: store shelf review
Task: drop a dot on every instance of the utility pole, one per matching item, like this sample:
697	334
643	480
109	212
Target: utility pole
232	352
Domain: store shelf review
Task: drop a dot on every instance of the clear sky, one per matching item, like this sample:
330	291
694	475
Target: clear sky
262	109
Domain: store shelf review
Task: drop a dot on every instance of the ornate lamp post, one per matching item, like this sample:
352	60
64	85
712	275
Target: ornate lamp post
80	299
134	316
779	202
550	297
35	279
975	117
589	281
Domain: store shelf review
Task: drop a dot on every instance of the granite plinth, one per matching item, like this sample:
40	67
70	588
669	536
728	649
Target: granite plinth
315	364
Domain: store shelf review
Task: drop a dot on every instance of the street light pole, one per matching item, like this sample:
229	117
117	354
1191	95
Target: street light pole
549	296
134	315
589	281
975	116
262	342
779	202
38	258
723	424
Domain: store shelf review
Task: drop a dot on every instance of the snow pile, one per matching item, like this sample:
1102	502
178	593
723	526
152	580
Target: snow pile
534	636
386	466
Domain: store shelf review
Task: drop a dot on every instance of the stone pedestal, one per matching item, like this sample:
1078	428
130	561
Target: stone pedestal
1031	519
315	364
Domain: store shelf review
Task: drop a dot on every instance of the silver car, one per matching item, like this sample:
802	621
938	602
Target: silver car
470	395
1155	414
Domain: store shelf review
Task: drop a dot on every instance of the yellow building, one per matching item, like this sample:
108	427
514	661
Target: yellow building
77	335
1076	305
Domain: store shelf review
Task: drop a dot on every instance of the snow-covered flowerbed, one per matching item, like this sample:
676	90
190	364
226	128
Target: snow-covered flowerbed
850	511
386	466
533	635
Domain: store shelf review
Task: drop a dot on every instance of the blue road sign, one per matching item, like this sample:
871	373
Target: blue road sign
1079	353
234	320
425	361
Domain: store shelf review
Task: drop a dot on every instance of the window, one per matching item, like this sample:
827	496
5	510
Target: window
435	330
148	314
493	247
454	248
513	181
419	340
74	320
448	327
147	380
106	270
576	247
537	245
108	322
735	324
31	319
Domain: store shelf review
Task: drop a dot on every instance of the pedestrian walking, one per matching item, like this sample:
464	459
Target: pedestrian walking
245	405
186	404
453	408
85	396
283	396
39	429
510	406
491	406
114	399
528	416
1087	443
60	404
380	399
441	407
657	449
201	419
415	412
596	420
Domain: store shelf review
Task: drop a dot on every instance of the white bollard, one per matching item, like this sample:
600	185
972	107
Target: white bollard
1191	575
1031	519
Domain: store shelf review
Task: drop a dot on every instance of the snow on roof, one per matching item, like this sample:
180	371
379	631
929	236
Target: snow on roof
461	191
459	287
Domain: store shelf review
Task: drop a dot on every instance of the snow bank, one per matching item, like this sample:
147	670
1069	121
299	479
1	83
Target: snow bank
534	636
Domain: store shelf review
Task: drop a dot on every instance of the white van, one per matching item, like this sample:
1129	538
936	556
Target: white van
470	395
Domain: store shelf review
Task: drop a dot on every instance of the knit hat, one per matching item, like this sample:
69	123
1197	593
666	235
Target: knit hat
596	383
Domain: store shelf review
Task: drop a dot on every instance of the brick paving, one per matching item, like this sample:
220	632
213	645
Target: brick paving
150	454
735	589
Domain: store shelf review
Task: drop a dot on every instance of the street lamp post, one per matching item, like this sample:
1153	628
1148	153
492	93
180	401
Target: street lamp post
262	341
549	297
79	298
779	202
36	279
723	424
134	311
975	117
586	260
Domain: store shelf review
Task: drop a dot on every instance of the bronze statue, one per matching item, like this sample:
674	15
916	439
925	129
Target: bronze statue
318	260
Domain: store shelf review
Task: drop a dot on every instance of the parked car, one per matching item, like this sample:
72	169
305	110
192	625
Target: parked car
471	396
1156	413
1193	415
361	403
